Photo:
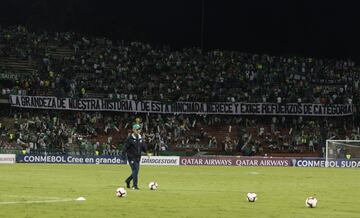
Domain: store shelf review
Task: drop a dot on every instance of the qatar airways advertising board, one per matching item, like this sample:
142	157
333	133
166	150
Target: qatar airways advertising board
236	161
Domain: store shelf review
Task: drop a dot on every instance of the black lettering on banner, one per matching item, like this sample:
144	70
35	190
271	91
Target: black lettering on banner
257	108
267	109
155	107
289	108
123	106
72	103
279	109
25	101
108	105
273	108
130	105
145	106
218	108
315	109
215	108
239	108
17	101
236	110
328	110
250	108
263	108
307	109
92	105
50	103
60	103
167	108
243	108
137	105
209	108
113	105
299	109
82	104
97	104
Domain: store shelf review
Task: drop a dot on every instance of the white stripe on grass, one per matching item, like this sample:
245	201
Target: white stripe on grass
36	202
30	197
253	173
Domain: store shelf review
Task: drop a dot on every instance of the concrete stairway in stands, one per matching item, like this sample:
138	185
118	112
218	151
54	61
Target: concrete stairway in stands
18	65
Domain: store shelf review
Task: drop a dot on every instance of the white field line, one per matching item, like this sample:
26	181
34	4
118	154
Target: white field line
35	202
30	197
253	173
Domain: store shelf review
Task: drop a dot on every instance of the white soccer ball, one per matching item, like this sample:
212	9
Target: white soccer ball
120	192
153	185
311	202
251	196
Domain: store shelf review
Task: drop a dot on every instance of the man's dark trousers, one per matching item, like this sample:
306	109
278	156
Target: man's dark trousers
135	165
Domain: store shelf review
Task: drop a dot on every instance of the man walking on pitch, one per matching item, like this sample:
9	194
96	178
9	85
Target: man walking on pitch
133	147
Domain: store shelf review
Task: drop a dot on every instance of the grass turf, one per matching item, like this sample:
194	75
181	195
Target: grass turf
184	191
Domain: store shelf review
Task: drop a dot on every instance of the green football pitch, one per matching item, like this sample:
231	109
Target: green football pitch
49	191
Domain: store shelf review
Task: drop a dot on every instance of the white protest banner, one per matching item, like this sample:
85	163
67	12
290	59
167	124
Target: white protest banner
225	108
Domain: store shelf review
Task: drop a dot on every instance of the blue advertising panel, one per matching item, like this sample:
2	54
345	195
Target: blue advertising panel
321	162
68	159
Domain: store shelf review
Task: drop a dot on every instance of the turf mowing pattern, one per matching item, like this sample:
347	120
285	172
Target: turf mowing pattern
50	190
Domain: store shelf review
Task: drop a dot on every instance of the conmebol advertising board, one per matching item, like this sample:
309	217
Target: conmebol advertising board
320	162
68	159
7	158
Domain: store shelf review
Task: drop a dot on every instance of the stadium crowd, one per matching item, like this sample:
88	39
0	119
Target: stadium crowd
99	67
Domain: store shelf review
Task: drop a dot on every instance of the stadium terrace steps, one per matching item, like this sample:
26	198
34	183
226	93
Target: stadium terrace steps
17	64
61	52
